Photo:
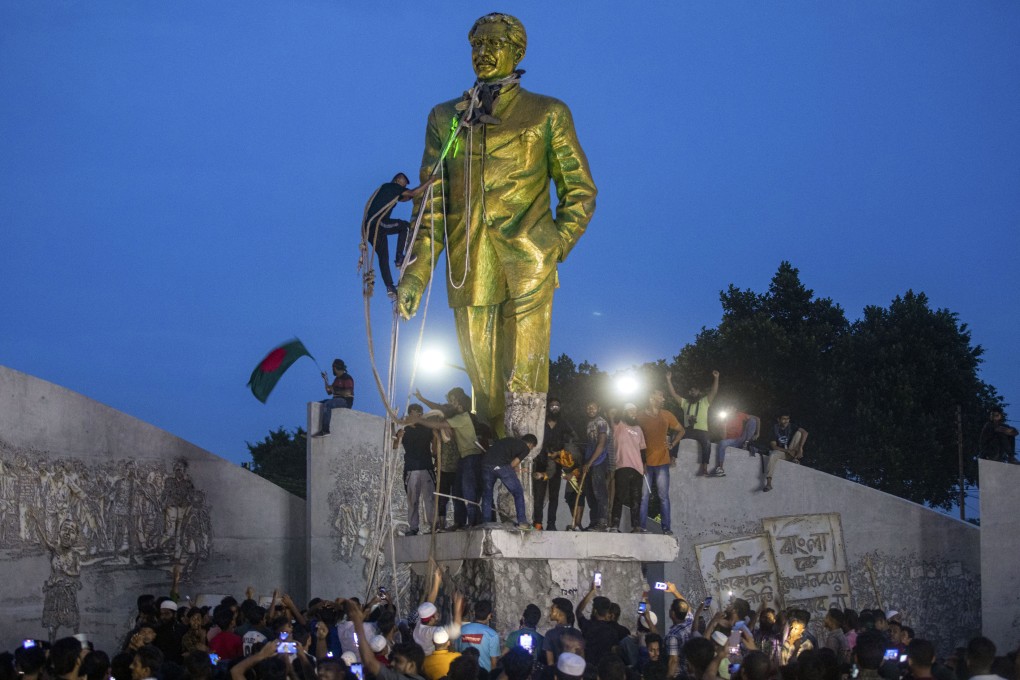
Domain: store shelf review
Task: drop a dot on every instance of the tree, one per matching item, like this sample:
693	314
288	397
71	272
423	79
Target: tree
902	372
878	396
282	459
775	352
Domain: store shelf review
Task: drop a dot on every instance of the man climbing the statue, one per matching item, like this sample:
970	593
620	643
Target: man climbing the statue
502	240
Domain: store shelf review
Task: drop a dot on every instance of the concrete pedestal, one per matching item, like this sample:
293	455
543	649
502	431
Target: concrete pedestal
514	569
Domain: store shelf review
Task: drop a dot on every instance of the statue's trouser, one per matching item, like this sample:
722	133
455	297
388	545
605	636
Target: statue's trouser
506	353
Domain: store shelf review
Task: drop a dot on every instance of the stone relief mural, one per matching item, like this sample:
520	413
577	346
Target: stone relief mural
353	506
107	516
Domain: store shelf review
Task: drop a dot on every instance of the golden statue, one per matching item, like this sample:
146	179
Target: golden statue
495	151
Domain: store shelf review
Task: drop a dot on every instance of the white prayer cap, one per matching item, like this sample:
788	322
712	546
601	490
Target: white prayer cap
426	610
377	643
349	658
570	664
440	637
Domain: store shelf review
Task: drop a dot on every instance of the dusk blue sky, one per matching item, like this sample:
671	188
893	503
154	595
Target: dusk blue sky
182	183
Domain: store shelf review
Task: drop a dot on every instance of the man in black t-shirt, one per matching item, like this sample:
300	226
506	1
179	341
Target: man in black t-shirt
547	472
419	471
787	444
379	225
500	461
600	632
998	440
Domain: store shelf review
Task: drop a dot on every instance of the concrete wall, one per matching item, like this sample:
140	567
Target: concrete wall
837	543
96	507
1000	545
816	540
345	496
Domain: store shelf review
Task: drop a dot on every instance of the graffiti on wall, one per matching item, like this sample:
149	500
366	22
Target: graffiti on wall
742	567
797	561
105	516
811	559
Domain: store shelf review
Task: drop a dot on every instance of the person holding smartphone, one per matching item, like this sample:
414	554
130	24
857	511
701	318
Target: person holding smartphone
408	657
600	632
680	632
527	636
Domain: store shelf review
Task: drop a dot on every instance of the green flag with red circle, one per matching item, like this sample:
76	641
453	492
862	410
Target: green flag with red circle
268	372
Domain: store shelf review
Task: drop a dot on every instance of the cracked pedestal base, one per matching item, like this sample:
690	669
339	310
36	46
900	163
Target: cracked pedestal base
514	569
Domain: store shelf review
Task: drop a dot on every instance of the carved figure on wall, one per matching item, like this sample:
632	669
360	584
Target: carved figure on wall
60	591
109	515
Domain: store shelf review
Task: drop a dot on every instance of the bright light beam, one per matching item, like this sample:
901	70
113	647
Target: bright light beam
627	385
432	360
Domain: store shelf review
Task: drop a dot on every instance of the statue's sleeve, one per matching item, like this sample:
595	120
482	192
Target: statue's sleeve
429	241
575	189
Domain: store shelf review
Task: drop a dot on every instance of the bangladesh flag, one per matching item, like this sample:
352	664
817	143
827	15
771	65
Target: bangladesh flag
263	379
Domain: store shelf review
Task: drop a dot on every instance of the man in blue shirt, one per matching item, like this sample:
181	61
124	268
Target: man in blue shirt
479	635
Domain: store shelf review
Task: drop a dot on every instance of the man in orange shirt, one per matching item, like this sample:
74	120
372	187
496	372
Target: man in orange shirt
657	423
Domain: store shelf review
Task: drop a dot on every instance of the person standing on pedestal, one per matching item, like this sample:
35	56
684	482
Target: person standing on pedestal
547	473
491	211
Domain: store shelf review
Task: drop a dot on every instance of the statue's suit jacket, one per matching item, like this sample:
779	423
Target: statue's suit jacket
515	242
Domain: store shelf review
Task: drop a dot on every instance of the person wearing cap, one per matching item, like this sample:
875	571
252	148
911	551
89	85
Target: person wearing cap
527	636
408	658
635	649
437	664
380	647
169	633
428	617
341	395
419	469
570	667
630	468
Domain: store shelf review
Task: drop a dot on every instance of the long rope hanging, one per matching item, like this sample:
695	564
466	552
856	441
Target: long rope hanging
366	264
388	463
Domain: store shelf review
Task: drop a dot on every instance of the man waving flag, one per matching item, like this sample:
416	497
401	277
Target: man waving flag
268	371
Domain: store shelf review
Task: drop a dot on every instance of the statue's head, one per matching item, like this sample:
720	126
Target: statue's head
498	43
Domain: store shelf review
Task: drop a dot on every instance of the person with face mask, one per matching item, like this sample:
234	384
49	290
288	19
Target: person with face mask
547	471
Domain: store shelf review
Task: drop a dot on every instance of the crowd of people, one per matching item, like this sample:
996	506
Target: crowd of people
345	639
623	456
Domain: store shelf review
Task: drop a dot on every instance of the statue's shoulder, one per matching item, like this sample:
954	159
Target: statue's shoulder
542	101
445	110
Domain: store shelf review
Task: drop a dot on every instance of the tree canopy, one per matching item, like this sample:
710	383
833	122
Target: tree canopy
282	459
877	395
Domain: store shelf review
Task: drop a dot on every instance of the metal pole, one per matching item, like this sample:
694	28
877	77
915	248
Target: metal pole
959	451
